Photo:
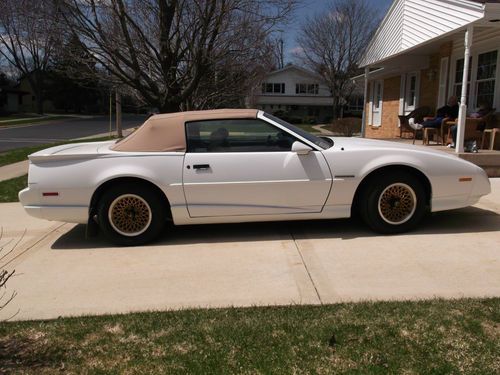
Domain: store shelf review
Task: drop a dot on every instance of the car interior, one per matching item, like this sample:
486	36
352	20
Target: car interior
235	138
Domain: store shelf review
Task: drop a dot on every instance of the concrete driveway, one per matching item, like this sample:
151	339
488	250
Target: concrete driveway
60	273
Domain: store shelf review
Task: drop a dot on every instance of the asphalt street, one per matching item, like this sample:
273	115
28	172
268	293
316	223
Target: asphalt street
59	130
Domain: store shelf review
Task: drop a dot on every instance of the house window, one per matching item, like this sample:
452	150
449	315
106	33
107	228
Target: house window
355	103
375	115
459	72
307	88
485	79
273	88
377	96
411	89
443	81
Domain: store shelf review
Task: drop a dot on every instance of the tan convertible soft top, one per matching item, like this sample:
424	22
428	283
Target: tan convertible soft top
166	132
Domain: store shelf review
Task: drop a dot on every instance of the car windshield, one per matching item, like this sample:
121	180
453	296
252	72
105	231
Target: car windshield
324	143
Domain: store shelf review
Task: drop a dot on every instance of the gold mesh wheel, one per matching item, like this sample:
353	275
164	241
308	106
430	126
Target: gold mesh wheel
130	215
397	203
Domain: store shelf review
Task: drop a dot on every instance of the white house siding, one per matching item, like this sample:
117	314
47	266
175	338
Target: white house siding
291	76
482	37
294	100
410	23
300	106
388	38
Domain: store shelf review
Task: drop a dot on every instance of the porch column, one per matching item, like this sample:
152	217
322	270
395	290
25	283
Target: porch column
462	113
365	97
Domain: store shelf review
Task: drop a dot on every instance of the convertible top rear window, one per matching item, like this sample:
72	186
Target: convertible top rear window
323	143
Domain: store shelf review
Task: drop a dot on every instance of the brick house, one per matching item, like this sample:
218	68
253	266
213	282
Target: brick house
418	55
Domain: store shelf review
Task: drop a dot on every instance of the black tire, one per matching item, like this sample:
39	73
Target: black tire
131	214
393	203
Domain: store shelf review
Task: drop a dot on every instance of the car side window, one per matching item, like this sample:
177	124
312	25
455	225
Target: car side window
239	135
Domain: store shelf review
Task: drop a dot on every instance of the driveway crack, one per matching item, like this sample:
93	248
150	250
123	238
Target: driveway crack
306	268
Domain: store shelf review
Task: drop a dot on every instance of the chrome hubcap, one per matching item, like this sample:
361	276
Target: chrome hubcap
130	215
397	203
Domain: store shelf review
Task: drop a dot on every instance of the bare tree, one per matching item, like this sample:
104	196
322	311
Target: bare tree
235	69
332	43
165	49
28	35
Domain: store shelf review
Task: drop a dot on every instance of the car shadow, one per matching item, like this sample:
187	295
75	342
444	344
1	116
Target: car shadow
466	220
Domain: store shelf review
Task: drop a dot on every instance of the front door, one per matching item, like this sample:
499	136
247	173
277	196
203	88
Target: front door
246	167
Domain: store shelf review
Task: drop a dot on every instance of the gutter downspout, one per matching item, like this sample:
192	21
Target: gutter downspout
365	98
462	113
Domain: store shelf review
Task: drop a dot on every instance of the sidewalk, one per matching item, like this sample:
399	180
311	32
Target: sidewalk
14	170
321	129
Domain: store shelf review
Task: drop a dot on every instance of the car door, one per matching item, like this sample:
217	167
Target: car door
246	167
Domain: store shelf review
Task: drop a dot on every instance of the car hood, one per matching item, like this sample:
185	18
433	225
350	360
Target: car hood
355	143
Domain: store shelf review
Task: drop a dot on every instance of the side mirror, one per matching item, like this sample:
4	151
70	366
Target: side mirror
300	148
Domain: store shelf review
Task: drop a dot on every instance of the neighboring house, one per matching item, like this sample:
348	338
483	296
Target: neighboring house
11	96
296	93
416	58
19	98
28	103
11	99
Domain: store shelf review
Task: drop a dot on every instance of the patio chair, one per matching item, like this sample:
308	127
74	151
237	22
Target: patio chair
492	127
474	127
492	133
418	114
440	132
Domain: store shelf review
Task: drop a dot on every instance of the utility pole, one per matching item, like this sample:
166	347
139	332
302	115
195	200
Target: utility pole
118	103
281	52
110	112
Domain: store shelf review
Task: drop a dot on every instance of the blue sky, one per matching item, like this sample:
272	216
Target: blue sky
310	8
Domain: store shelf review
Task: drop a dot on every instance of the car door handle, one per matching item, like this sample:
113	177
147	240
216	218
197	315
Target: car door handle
201	166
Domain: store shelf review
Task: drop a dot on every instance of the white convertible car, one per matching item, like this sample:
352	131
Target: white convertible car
243	165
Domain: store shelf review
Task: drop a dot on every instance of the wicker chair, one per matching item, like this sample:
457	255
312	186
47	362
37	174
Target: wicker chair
418	114
474	127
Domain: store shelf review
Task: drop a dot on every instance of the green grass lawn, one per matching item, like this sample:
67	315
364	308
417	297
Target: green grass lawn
430	337
10	188
20	154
